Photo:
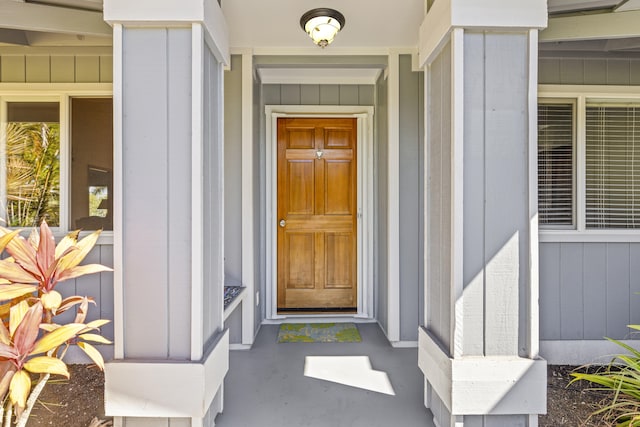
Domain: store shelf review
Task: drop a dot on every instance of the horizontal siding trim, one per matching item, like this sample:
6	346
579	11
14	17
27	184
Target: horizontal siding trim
581	352
57	50
588	91
572	236
72	89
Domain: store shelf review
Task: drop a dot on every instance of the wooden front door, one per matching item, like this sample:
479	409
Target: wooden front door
317	214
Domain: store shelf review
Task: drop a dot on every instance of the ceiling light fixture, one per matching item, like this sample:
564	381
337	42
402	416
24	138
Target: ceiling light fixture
322	25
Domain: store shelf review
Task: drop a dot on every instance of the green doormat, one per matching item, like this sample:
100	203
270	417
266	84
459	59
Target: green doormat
318	332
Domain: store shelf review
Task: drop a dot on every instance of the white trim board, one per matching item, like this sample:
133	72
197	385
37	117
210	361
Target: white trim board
581	352
445	15
118	186
356	76
533	326
313	50
509	384
247	233
456	304
166	388
393	198
404	344
239	347
197	191
364	115
590	92
590	236
174	13
398	343
240	298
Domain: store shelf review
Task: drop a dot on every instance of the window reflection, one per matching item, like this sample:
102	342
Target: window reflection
91	163
32	155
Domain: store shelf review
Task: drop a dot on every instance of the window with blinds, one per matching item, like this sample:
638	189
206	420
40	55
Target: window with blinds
612	167
556	189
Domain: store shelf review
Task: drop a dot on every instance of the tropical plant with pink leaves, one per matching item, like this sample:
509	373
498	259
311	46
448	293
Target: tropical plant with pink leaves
31	342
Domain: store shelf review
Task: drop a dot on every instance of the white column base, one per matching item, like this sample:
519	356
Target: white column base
483	385
166	389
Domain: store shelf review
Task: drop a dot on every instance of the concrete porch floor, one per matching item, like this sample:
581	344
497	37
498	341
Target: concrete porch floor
266	386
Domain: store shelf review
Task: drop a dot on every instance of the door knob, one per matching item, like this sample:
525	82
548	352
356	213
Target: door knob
282	223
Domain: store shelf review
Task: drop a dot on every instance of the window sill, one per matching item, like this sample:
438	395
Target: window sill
105	238
591	236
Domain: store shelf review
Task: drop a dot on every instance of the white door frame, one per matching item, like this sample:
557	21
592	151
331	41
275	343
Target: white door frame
365	165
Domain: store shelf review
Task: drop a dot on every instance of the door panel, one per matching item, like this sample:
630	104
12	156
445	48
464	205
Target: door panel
337	138
301	187
300	248
317	194
301	138
338	186
339	262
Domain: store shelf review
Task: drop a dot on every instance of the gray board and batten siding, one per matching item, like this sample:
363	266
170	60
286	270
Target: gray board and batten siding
495	229
154	196
233	172
380	188
588	70
158	213
588	290
477	242
100	288
259	208
411	199
213	180
438	226
233	192
56	68
73	68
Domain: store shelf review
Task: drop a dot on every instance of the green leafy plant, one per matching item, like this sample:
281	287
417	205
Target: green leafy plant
31	342
33	173
621	377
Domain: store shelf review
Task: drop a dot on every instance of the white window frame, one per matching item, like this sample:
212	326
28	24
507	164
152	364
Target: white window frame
61	93
583	95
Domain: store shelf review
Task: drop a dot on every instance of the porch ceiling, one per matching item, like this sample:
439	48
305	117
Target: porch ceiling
569	6
273	26
591	28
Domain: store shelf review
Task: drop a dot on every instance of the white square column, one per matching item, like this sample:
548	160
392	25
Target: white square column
171	348
478	346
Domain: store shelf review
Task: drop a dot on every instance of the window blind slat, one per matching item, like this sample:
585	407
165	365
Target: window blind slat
555	164
612	167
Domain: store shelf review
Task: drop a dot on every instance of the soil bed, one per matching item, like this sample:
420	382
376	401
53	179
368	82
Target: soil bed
75	402
570	405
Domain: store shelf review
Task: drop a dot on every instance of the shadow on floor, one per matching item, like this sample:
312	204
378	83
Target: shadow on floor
266	386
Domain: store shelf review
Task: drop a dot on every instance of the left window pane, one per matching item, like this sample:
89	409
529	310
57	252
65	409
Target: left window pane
32	164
